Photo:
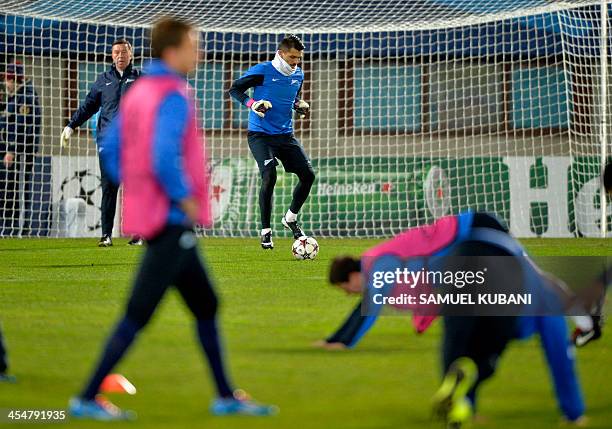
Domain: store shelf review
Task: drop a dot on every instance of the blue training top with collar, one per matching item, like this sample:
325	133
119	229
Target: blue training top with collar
280	90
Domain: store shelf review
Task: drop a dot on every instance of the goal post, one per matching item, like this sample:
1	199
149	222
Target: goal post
603	42
418	109
586	48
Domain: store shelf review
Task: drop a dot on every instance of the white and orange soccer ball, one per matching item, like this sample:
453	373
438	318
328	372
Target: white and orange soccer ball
305	248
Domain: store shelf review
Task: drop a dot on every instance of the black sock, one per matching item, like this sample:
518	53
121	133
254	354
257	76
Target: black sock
115	348
268	181
301	190
209	338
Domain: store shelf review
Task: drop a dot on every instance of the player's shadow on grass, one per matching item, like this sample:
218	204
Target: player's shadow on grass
33	249
92	264
309	350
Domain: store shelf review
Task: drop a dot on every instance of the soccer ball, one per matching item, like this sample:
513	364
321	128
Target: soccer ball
305	248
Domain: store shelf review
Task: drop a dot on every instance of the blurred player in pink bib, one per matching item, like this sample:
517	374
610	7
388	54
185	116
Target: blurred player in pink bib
156	150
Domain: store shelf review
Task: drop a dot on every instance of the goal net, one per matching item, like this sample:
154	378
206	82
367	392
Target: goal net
419	109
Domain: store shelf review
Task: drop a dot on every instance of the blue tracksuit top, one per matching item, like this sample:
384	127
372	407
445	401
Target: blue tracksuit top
280	90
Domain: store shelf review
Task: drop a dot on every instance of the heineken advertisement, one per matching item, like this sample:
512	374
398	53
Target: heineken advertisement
374	197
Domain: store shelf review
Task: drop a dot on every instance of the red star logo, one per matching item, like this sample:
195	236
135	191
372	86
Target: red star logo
217	190
386	187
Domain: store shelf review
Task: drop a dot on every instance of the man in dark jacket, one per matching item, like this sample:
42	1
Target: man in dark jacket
105	96
20	123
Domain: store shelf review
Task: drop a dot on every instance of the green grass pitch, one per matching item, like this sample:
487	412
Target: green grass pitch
60	298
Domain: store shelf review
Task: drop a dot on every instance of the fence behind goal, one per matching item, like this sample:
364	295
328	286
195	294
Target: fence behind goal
418	109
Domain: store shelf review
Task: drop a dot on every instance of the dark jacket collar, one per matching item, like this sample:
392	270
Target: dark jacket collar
126	72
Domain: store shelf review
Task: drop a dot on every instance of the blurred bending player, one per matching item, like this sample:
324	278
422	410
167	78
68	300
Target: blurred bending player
155	147
278	85
472	344
104	97
589	328
21	124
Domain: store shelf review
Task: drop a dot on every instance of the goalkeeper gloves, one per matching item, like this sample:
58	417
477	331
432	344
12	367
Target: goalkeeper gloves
301	108
66	134
259	107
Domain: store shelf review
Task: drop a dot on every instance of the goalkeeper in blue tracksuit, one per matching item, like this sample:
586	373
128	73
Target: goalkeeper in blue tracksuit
472	344
278	85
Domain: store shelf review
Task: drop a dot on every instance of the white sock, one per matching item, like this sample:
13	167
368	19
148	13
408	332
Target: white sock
584	323
290	216
265	231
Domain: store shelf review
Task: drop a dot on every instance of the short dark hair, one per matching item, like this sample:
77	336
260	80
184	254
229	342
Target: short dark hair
341	267
607	177
291	41
168	33
122	42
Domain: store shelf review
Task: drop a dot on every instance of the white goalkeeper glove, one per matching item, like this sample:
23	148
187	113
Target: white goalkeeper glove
301	108
259	107
66	134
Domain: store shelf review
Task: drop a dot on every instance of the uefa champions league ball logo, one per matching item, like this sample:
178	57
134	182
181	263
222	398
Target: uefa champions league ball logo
84	185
